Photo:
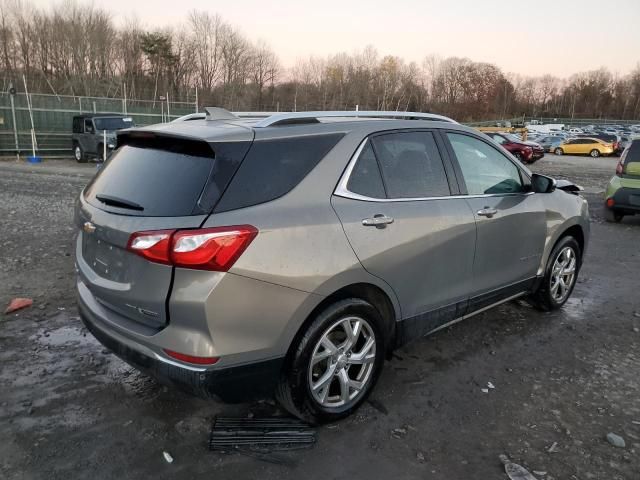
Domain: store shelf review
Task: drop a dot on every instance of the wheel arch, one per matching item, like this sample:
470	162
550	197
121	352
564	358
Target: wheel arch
375	295
575	230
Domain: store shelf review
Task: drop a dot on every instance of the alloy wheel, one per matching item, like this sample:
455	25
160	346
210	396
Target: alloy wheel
78	153
342	362
563	274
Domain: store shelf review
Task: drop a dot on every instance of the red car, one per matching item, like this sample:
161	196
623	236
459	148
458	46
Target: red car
526	152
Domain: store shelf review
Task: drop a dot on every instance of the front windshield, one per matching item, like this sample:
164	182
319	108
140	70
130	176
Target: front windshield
113	123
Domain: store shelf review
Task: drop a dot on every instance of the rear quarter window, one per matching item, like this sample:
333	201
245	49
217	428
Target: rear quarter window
274	167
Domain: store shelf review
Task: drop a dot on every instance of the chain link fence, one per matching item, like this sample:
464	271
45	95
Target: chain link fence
52	118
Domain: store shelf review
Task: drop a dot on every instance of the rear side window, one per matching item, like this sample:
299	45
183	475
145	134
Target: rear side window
152	182
411	165
272	168
365	179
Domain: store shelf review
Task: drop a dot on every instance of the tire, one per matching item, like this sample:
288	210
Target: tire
546	297
558	151
595	153
79	154
328	402
100	153
612	216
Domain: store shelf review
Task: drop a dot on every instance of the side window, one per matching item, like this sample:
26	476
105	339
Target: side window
485	170
88	126
365	178
272	168
410	164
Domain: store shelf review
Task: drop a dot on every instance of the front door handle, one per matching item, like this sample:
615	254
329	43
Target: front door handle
378	221
487	212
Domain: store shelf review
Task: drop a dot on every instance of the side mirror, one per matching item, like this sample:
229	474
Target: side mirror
542	183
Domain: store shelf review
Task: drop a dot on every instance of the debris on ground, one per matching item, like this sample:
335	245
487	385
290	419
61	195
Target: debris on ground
635	422
167	456
260	435
540	473
615	440
420	456
491	385
17	304
553	448
399	432
484	390
515	471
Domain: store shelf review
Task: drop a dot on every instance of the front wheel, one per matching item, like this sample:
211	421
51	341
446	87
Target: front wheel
335	364
560	275
594	153
79	154
558	151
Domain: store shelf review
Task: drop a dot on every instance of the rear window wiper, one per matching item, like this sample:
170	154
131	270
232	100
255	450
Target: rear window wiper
119	202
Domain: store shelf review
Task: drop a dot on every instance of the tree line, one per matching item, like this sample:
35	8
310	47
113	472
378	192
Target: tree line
75	49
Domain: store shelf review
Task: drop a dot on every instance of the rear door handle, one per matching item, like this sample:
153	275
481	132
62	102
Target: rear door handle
378	221
487	212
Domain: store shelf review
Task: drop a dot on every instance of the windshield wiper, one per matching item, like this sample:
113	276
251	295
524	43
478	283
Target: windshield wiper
119	202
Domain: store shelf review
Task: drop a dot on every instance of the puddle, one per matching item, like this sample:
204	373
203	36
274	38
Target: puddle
577	307
63	336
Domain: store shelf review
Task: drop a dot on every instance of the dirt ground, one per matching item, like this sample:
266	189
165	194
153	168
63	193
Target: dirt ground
563	381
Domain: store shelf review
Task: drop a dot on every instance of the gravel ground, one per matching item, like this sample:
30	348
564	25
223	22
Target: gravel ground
563	380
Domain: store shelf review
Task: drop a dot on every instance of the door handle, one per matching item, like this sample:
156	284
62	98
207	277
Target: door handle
487	212
378	221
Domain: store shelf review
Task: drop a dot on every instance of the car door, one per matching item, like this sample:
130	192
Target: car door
510	219
396	206
570	146
87	139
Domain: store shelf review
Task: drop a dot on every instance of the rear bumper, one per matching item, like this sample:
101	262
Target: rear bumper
230	384
626	200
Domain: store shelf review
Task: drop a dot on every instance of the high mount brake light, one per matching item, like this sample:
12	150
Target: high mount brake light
214	249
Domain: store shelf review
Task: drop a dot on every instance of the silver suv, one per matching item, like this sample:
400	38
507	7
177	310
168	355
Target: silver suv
292	253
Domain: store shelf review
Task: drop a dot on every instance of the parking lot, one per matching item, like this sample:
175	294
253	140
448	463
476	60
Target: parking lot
563	380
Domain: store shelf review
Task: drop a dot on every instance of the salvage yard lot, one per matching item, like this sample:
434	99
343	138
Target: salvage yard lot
563	380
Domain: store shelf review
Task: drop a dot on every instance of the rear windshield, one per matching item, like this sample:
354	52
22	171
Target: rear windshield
633	153
113	123
151	182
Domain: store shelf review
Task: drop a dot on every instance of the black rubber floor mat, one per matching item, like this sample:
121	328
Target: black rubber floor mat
260	434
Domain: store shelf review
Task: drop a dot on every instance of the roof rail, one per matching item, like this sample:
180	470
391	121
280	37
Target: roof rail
289	118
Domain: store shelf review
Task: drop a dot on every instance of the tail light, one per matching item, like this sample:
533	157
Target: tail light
214	249
183	357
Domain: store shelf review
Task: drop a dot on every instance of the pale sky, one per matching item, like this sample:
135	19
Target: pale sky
532	37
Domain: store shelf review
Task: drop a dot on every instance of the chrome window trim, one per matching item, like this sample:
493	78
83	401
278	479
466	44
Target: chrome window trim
342	190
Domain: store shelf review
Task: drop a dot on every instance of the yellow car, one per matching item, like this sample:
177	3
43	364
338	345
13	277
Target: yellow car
584	146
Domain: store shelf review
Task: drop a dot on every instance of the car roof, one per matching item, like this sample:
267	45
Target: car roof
242	129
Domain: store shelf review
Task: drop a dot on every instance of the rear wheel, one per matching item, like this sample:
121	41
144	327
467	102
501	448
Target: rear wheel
594	153
560	275
558	151
612	215
79	154
335	364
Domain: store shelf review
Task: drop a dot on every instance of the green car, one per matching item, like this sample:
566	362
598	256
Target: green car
623	192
